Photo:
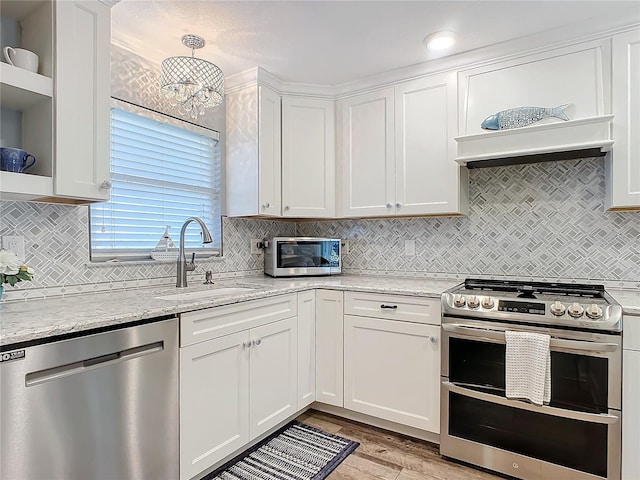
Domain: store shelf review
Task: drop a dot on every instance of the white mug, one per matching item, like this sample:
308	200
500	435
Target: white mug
22	58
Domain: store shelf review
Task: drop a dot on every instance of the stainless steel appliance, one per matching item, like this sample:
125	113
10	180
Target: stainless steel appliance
302	256
577	435
102	406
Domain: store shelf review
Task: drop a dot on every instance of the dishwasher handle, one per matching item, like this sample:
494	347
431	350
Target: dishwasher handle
56	373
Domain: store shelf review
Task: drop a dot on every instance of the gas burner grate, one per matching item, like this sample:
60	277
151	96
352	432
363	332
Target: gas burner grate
529	288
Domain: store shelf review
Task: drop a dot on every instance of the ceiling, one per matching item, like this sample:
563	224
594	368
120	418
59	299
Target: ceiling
335	42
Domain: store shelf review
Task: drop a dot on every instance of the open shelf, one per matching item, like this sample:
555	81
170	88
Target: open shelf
21	89
23	186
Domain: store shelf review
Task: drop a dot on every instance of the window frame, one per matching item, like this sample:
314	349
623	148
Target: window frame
137	255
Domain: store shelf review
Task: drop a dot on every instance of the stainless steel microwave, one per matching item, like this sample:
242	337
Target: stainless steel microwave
302	256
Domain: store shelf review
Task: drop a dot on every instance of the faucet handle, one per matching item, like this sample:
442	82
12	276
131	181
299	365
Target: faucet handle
193	258
208	280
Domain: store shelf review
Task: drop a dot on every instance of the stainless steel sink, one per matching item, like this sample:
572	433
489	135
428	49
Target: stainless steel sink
204	294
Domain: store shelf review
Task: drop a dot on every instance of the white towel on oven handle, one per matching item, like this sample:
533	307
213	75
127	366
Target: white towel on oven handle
528	366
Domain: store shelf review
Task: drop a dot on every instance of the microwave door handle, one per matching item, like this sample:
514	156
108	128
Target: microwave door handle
556	412
556	343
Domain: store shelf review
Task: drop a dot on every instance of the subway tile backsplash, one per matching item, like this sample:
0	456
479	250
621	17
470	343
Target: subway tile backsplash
543	221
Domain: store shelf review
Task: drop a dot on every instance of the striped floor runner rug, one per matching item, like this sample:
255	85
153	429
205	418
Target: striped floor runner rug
295	452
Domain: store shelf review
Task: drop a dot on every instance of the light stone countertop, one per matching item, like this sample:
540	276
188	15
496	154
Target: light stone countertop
629	299
37	319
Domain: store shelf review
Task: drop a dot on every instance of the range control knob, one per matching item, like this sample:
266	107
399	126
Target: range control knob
575	310
487	302
594	311
557	308
473	302
459	300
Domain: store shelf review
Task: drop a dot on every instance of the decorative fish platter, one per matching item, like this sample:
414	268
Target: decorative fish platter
522	116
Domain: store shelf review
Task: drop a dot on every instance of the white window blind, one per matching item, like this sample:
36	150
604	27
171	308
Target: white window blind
161	175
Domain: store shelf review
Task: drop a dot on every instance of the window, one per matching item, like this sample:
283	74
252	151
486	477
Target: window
161	174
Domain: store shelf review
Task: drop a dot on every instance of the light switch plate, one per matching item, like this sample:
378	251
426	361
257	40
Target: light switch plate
255	249
409	248
15	244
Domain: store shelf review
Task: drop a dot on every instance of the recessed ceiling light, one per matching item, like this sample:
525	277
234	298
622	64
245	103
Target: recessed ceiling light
441	40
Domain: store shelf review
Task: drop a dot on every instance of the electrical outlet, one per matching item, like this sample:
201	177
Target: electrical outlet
410	248
15	244
344	244
255	248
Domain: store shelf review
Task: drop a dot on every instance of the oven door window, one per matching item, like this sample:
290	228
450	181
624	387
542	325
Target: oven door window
578	382
300	254
571	443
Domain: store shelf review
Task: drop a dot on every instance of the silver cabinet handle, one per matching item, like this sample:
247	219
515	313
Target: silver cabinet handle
106	185
257	342
433	339
247	344
390	307
286	207
389	205
266	205
398	205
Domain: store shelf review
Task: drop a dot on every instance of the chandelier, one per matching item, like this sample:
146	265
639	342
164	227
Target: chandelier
190	83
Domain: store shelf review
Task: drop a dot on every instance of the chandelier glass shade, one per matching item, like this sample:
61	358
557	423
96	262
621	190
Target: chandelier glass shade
190	83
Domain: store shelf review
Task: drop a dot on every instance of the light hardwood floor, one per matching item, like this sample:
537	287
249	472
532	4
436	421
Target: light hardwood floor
384	455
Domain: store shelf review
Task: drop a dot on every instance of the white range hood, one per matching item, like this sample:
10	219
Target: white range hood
586	137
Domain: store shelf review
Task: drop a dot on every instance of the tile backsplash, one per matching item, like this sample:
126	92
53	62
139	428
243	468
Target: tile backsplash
545	221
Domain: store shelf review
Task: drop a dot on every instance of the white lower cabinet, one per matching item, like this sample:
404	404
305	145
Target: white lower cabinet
306	348
273	375
392	358
392	371
214	401
238	385
329	344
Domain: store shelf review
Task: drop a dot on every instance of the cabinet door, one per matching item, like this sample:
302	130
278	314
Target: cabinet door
392	371
273	375
623	162
428	180
306	348
329	343
214	401
367	154
308	157
269	151
631	416
82	90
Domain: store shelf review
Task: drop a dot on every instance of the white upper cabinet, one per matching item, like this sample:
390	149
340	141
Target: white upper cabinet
428	180
308	157
397	150
83	88
253	151
60	114
366	170
623	164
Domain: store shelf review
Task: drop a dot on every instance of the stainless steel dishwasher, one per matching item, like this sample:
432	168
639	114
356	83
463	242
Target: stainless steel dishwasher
102	406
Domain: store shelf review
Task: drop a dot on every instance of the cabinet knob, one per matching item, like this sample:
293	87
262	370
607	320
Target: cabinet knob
257	342
398	205
433	339
106	185
389	205
246	344
266	205
286	207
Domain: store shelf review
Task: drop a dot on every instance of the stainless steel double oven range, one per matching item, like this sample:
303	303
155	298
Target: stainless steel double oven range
577	435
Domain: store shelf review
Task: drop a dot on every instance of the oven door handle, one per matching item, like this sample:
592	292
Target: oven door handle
556	412
557	343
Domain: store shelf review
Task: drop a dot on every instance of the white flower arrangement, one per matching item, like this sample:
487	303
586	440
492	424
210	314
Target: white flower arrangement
11	271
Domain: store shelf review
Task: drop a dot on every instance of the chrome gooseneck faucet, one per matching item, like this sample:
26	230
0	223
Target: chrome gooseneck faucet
182	266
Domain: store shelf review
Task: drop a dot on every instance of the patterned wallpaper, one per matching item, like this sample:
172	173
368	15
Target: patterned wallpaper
544	220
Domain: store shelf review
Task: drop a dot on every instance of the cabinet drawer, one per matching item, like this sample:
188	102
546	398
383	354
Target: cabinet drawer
215	322
393	307
631	333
